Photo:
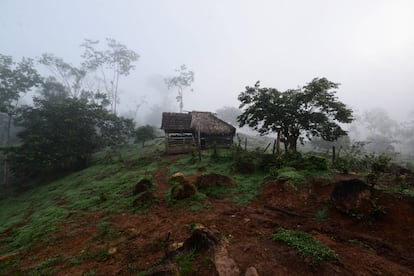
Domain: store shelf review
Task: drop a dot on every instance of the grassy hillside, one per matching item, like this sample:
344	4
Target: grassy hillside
104	186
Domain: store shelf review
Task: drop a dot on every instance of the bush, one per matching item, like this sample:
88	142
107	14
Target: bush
316	163
291	176
305	245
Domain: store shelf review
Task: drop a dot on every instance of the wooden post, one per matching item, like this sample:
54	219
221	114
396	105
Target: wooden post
245	143
333	155
267	147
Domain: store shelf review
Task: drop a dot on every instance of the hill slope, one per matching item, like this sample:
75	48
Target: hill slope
87	224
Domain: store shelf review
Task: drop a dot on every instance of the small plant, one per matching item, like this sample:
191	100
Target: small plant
379	166
322	215
291	176
185	262
315	163
90	272
305	245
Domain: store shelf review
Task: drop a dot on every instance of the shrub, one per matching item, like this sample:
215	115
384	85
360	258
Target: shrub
317	163
291	176
305	245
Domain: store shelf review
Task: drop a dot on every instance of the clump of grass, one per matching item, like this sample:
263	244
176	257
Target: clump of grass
322	214
306	245
185	262
292	176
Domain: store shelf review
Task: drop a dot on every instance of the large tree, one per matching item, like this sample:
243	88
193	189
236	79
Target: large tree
112	63
71	77
16	79
62	133
181	81
312	110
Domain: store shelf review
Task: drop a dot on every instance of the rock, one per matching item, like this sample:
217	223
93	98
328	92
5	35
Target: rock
213	179
142	186
352	196
251	271
225	265
202	239
183	190
178	175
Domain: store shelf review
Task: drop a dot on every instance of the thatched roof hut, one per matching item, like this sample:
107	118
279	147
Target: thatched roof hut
194	121
185	130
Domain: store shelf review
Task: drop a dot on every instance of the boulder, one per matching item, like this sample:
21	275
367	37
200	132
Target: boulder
144	199
183	190
142	186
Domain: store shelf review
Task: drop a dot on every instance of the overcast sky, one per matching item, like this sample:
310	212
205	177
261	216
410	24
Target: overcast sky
367	46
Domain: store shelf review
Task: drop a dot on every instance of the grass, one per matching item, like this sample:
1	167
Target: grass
322	214
248	185
403	190
292	176
185	262
105	187
306	245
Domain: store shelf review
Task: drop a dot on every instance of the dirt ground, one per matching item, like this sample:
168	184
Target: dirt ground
382	246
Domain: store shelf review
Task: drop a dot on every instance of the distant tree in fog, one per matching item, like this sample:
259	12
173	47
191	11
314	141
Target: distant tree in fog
70	76
16	79
381	131
116	61
229	114
181	81
144	133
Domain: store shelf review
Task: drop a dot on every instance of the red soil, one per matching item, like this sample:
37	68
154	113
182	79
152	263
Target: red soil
382	246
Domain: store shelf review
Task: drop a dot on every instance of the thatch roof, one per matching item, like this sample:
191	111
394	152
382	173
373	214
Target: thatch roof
176	121
193	121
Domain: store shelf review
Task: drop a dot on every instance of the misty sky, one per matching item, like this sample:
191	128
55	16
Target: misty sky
367	46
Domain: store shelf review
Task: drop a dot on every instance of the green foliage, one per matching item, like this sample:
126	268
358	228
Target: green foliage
63	135
317	163
44	268
15	80
144	133
322	214
104	187
305	245
354	159
312	110
292	176
185	262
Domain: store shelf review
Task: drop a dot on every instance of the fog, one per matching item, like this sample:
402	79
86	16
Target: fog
367	46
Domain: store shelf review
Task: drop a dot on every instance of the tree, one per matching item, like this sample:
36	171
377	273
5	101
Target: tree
71	77
116	61
62	133
144	133
381	131
312	110
182	80
15	80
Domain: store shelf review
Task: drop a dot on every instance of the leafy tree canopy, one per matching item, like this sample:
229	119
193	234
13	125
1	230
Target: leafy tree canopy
312	110
144	133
